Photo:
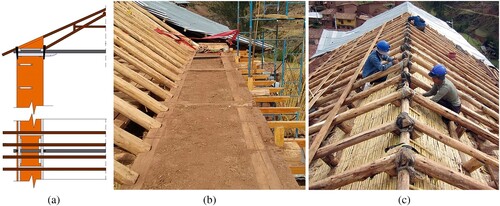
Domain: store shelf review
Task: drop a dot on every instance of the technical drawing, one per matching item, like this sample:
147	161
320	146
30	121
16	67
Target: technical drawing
53	148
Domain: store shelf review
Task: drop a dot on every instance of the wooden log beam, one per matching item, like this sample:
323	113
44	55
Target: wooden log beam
279	110
471	165
465	109
393	81
355	139
124	175
135	114
333	113
141	80
455	117
448	175
129	142
259	99
143	67
357	174
481	156
139	95
287	124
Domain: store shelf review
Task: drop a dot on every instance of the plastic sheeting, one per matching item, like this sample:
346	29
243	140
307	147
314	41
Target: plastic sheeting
331	40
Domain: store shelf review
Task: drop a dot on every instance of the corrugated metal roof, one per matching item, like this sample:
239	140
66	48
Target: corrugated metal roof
331	40
189	20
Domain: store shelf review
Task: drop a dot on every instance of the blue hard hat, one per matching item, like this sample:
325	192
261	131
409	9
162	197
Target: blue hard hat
438	71
383	46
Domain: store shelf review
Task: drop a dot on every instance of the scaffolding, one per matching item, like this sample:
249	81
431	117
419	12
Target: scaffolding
287	53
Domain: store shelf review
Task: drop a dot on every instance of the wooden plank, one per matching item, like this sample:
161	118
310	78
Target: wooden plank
279	136
298	170
129	142
448	175
279	110
287	124
254	71
300	141
139	95
124	175
257	77
356	174
134	114
331	116
272	89
259	99
263	83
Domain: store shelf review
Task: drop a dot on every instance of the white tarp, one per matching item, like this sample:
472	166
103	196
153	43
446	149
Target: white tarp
331	40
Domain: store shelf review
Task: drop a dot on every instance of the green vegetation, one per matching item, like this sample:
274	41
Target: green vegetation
474	42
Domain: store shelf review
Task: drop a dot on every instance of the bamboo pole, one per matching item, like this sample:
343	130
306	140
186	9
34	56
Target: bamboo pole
129	142
134	114
455	117
357	174
447	175
355	139
139	95
141	80
143	67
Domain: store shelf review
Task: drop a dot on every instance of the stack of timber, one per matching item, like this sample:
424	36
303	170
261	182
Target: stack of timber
147	67
355	141
267	98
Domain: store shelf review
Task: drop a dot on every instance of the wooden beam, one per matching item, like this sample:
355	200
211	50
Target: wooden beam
471	165
279	136
279	110
257	77
355	139
263	83
455	117
298	170
287	124
143	67
135	114
356	174
259	99
141	80
129	142
124	175
253	71
139	95
300	141
448	175
455	143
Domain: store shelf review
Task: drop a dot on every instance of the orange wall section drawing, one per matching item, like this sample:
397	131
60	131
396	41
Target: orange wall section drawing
30	93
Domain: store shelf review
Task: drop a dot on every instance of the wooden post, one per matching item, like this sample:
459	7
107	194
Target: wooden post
355	139
134	114
331	116
455	117
448	175
455	144
279	136
124	175
250	83
141	80
129	142
357	174
139	95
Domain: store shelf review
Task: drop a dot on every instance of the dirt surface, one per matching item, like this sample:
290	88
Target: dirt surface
212	137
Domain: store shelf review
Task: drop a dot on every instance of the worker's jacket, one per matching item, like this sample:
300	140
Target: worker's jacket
374	64
445	91
419	22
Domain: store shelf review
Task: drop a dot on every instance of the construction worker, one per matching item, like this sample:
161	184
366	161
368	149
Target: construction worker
418	22
374	64
445	93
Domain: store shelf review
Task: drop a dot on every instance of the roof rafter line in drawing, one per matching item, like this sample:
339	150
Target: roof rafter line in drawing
394	137
94	17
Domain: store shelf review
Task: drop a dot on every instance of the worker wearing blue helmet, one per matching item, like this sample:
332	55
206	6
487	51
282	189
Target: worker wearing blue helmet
374	64
417	21
443	91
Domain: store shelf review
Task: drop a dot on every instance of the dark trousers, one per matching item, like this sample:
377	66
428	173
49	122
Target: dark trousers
448	105
379	80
